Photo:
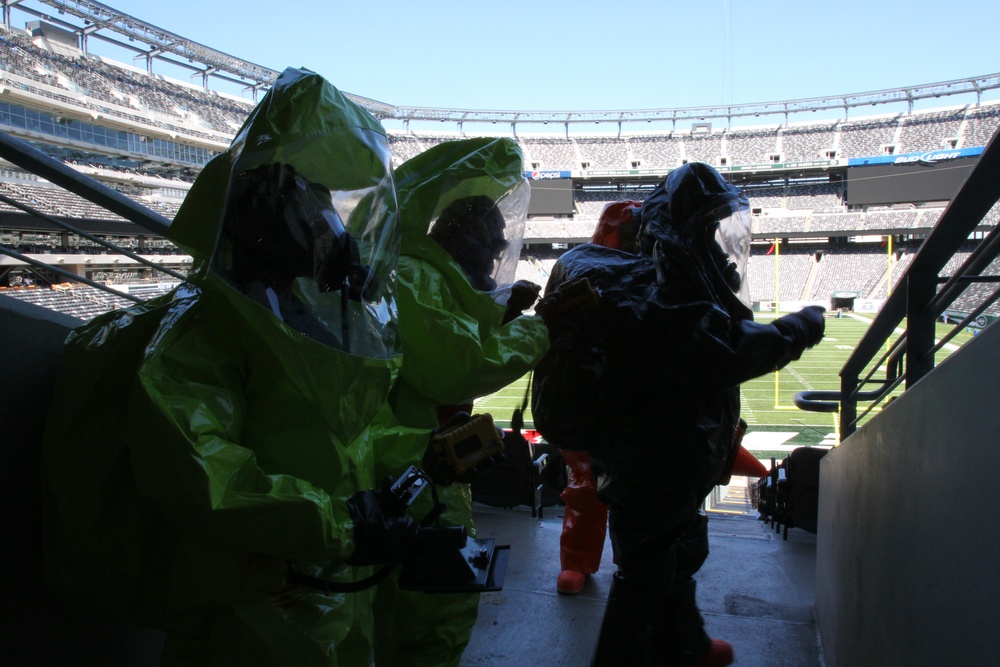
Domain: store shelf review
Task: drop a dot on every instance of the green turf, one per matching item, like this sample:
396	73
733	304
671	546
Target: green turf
767	402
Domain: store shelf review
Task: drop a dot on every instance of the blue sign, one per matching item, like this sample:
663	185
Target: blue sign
926	158
542	175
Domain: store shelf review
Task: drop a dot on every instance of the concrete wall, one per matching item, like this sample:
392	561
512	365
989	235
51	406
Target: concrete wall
908	547
41	629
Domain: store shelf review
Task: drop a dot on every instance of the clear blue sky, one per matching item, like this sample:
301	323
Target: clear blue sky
586	55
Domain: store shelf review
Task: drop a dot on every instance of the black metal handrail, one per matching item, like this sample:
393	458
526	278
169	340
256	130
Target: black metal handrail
921	297
90	237
31	159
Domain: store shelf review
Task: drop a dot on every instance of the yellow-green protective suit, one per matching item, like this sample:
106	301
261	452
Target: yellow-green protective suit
198	446
454	350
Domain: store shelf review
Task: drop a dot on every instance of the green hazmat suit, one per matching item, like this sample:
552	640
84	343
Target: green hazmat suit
455	349
217	441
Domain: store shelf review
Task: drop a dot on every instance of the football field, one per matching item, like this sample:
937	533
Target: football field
775	425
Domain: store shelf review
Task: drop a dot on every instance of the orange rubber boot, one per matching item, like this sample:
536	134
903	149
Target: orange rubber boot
719	655
585	524
570	582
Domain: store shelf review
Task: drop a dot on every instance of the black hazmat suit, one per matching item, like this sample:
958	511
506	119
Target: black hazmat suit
648	382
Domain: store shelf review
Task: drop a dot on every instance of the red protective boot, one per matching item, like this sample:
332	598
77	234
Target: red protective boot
585	517
570	582
720	655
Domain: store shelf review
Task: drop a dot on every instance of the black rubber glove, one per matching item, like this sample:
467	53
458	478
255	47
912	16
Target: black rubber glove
523	295
380	536
805	327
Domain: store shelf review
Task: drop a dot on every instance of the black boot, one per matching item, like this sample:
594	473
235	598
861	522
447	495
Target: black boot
627	628
636	600
681	628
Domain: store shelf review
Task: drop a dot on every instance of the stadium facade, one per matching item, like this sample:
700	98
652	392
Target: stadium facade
840	204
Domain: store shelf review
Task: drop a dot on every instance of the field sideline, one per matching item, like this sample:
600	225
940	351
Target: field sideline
775	424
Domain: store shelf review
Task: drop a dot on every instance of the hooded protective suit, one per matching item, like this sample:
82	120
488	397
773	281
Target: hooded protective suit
585	517
648	382
456	348
229	424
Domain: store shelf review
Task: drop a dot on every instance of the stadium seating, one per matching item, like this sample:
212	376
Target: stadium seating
980	125
813	211
604	152
657	150
702	148
90	77
751	146
800	143
550	153
82	301
930	131
867	137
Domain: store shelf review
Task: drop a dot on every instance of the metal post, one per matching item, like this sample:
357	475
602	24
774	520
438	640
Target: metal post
920	288
848	404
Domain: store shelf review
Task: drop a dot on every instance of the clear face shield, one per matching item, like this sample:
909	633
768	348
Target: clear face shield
320	259
485	237
732	248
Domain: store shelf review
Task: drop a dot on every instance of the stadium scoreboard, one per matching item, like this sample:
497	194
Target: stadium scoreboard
551	193
916	177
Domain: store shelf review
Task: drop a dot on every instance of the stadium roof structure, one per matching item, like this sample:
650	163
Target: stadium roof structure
974	85
96	17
